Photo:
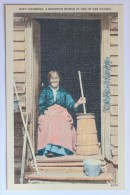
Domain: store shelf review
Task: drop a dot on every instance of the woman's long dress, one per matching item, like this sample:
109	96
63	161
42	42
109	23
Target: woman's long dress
56	132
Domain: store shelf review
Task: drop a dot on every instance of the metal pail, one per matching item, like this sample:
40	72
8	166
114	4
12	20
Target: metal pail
92	167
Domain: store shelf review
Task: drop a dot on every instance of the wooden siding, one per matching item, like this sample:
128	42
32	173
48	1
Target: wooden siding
114	100
114	88
114	59
19	55
19	35
18	136
114	110
19	66
114	80
20	79
19	59
19	46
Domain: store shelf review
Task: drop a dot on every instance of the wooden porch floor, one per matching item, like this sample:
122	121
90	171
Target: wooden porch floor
67	168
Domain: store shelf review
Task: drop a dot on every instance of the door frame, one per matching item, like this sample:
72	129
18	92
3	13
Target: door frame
105	53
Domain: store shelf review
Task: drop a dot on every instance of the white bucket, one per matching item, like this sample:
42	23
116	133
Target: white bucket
92	167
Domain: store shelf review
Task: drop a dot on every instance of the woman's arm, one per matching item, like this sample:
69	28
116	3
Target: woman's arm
82	100
70	103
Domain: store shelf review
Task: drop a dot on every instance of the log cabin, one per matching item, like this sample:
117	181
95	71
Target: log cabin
31	64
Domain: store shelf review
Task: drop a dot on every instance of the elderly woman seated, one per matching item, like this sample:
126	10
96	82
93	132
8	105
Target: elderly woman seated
56	132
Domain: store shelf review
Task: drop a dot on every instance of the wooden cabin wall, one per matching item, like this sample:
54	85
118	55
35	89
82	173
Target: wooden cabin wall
19	60
114	88
20	79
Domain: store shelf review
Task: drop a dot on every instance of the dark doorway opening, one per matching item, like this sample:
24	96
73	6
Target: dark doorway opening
69	45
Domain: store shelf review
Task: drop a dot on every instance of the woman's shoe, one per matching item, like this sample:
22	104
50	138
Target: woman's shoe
50	155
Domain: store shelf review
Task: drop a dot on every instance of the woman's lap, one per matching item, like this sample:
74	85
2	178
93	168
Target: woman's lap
57	130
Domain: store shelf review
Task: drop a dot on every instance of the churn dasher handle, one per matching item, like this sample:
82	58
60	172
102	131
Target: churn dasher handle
82	93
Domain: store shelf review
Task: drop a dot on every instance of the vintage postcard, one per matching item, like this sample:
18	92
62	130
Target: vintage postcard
65	109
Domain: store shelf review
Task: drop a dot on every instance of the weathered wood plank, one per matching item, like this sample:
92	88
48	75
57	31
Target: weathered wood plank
28	43
19	20
58	164
114	128
66	169
112	32
114	19
18	139
114	140
19	28
23	104
19	46
114	50
114	131
114	60
115	160
22	97
106	132
114	26
114	40
107	146
19	66
115	151
114	90
63	15
114	80
17	152
114	70
19	36
19	77
62	176
19	55
22	100
114	110
114	100
69	158
21	88
114	120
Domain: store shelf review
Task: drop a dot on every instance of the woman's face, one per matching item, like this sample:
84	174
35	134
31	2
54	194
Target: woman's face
54	80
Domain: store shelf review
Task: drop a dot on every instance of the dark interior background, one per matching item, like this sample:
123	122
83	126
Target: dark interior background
69	45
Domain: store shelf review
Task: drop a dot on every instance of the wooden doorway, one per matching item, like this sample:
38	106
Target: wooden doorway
69	45
103	50
35	80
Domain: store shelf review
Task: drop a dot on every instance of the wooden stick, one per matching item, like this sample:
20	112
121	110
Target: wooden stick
26	131
24	152
81	88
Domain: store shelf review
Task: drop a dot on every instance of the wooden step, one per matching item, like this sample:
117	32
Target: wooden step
59	164
67	164
65	169
72	158
62	176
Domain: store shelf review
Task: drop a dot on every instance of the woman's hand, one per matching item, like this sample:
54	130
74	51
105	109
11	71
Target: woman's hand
82	100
